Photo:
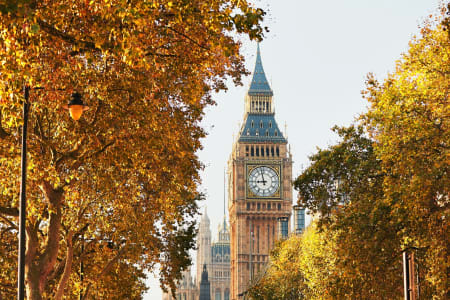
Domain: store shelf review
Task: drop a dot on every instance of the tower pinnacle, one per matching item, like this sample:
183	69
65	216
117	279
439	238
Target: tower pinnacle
259	84
259	120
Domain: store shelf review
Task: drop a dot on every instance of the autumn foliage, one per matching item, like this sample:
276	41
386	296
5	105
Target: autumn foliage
383	188
114	194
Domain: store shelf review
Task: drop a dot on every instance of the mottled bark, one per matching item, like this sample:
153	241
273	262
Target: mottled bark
39	264
67	269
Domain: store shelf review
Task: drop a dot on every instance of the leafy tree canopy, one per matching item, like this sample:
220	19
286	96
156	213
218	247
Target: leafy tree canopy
116	191
409	118
376	194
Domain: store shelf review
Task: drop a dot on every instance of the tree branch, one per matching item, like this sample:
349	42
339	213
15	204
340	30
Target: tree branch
3	133
67	38
189	38
9	222
67	268
9	211
149	53
99	151
71	154
105	270
48	258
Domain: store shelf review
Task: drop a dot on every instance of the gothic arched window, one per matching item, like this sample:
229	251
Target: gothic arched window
217	295
226	294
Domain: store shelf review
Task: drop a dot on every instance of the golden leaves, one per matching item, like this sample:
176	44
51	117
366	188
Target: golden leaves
128	169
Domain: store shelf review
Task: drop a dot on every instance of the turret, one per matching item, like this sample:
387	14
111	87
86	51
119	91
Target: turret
259	95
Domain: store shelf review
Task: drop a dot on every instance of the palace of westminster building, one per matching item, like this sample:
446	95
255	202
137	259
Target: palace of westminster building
259	205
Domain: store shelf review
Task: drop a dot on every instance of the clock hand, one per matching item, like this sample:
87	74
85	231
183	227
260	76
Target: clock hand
262	174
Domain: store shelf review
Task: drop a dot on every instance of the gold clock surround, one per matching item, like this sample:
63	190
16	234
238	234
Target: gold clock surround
276	167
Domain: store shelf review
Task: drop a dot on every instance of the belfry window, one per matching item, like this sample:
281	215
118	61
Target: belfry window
267	132
276	133
270	124
253	125
261	124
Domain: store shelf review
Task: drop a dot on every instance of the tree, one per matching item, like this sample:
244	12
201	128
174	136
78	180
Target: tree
381	189
408	118
282	278
115	191
301	267
343	188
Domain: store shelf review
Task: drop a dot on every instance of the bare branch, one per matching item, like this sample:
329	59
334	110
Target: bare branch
9	211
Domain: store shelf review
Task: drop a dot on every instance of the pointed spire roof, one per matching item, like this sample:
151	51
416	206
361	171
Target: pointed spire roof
259	84
205	215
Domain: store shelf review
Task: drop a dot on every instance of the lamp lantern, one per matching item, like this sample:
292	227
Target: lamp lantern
76	106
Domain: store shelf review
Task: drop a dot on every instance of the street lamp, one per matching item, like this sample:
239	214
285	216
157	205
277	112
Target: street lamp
76	108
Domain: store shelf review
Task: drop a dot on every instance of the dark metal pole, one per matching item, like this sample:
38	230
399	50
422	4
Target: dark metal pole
406	275
81	270
23	199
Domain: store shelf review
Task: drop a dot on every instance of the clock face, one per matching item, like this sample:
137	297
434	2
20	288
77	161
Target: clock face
263	181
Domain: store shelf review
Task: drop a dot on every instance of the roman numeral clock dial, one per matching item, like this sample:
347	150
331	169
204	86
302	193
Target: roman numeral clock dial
263	181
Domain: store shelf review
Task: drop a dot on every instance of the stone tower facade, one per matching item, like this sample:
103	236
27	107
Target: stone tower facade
203	246
214	257
220	267
186	288
259	185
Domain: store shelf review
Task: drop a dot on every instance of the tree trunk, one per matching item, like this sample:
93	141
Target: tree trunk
67	269
39	264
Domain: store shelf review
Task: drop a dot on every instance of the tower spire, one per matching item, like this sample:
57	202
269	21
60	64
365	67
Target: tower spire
259	84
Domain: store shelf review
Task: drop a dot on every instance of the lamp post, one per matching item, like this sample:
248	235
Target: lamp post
76	108
409	278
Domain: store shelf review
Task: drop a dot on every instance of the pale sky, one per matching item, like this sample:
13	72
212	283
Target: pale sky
316	57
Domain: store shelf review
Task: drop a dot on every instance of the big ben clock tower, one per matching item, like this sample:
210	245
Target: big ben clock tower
260	190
